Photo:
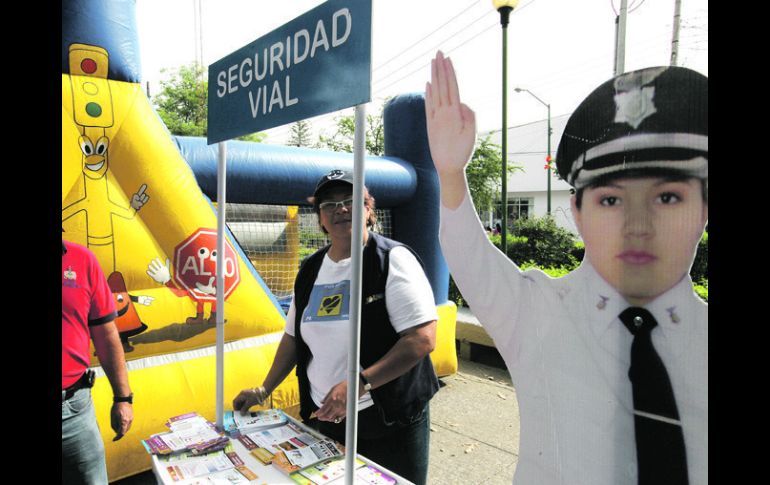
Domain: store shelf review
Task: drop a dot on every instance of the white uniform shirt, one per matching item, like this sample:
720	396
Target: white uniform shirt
326	321
568	354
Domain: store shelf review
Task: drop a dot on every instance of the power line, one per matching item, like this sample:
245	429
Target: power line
380	89
439	44
430	49
431	33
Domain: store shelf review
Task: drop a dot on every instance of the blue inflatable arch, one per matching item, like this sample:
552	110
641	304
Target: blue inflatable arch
403	180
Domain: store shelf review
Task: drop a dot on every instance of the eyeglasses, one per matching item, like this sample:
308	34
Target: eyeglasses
331	206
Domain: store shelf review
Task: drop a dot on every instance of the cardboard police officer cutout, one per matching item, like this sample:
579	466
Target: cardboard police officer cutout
610	362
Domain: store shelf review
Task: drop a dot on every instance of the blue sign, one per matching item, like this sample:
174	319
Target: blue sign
317	63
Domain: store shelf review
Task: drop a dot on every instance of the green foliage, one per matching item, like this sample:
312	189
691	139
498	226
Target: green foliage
484	173
552	272
258	137
183	102
700	266
702	289
540	240
343	137
546	255
454	293
578	251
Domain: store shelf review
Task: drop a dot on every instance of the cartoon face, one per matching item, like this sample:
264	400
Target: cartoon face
94	156
128	319
121	303
195	265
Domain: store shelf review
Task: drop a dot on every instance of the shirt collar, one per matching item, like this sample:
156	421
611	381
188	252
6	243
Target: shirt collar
605	303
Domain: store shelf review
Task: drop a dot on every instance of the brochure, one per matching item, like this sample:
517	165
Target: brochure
325	471
309	455
237	423
188	432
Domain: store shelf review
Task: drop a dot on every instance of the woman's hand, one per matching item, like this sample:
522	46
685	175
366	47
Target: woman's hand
334	405
248	398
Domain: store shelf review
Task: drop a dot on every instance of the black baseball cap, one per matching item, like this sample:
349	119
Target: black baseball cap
335	177
652	119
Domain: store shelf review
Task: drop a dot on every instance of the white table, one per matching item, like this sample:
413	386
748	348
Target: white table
266	474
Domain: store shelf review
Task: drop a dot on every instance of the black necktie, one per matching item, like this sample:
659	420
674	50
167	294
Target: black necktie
660	448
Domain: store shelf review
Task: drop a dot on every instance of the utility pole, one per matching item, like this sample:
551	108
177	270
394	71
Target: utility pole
620	38
675	37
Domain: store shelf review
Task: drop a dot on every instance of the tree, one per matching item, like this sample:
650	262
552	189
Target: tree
484	173
300	134
183	102
257	137
342	139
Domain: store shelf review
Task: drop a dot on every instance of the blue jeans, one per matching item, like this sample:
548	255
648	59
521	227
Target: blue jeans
402	447
82	449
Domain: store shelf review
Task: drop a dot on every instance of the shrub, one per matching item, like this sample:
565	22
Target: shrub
578	251
552	272
455	295
700	266
702	289
540	240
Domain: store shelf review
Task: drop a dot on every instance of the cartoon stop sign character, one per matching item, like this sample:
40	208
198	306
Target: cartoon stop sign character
195	265
195	270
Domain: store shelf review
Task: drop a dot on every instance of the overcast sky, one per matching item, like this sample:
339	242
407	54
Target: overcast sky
558	49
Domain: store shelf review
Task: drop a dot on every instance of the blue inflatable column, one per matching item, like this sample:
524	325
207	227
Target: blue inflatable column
109	25
416	222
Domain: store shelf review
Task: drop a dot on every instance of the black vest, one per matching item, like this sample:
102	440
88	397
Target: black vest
399	399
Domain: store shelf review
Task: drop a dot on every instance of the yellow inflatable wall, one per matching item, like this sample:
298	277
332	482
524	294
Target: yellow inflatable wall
129	196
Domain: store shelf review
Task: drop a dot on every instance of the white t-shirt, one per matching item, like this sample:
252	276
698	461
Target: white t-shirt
325	321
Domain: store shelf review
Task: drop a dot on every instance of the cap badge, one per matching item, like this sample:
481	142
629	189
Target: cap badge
634	106
633	101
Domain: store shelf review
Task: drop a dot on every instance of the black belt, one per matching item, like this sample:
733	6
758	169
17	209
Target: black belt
85	381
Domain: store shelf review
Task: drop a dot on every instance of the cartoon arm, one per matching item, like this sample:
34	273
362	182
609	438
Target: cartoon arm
73	209
142	299
161	274
209	289
139	198
137	202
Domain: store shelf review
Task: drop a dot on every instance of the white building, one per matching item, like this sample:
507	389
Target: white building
528	188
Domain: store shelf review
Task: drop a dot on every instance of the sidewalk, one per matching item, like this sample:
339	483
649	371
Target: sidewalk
474	430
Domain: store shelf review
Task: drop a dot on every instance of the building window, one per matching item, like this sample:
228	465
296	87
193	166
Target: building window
518	208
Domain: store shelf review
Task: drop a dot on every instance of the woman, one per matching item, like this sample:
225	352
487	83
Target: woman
398	331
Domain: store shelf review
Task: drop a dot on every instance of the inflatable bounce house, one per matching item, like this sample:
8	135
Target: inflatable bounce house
144	202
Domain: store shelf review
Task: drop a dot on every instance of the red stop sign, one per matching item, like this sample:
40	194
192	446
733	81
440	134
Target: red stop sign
195	265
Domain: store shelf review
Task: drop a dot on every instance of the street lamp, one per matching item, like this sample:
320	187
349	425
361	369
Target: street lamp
548	159
505	7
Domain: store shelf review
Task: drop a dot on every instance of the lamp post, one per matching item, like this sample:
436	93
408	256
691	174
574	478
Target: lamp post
548	159
505	7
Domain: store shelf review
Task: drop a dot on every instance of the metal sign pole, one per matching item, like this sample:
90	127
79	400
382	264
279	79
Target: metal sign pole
221	199
356	254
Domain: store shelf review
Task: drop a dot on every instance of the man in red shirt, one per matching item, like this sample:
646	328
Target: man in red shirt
88	311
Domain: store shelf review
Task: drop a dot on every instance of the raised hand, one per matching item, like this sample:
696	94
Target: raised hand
451	124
